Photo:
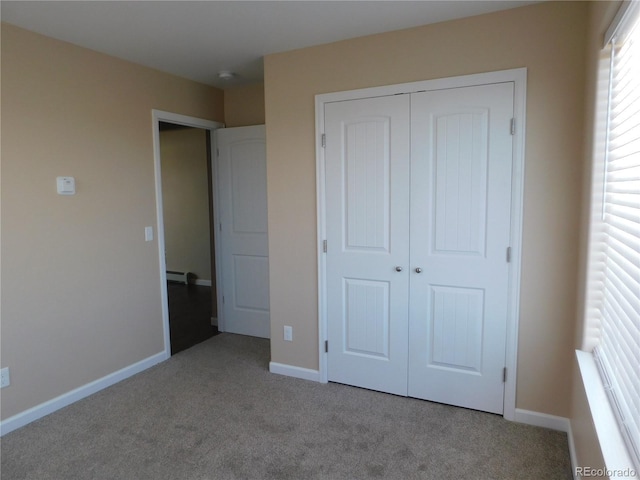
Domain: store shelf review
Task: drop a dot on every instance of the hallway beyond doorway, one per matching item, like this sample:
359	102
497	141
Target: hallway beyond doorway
189	315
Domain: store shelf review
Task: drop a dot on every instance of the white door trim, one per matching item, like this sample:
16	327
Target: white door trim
157	117
519	78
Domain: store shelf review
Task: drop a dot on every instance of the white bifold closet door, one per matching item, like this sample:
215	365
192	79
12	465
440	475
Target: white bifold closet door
418	225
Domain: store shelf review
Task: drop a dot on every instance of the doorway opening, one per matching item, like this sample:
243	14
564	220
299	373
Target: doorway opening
187	194
185	199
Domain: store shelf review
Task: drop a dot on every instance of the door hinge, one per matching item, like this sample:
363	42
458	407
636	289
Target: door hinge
217	152
326	346
513	126
324	246
504	374
323	140
220	226
223	299
508	254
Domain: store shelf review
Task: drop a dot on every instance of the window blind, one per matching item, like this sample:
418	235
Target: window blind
618	349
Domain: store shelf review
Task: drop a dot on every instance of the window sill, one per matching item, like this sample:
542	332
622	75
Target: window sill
614	450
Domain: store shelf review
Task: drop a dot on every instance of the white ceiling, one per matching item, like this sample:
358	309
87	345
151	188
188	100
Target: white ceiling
198	39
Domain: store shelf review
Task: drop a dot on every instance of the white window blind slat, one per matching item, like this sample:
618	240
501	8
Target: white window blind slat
623	163
625	96
623	91
616	308
623	208
626	134
625	382
621	70
622	265
622	229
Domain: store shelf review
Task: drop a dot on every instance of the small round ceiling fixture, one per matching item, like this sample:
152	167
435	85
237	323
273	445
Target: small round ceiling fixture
225	75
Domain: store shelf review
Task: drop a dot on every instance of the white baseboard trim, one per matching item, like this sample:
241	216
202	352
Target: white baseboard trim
204	283
297	372
538	419
23	418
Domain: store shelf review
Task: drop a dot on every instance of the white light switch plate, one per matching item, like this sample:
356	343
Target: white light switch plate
5	381
288	333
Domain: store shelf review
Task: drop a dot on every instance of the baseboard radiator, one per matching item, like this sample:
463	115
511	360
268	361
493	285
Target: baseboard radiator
178	277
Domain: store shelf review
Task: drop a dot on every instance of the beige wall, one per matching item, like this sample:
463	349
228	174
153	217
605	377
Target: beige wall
80	286
548	39
244	106
587	448
185	201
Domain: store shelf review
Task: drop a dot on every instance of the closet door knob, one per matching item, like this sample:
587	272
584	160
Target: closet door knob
418	270
398	269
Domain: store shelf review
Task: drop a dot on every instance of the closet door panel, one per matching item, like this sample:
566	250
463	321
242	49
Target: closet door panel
367	215
460	223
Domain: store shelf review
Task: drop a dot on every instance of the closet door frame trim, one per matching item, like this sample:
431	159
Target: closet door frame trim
519	78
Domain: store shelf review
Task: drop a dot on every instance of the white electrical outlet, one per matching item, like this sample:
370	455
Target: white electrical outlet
5	381
288	333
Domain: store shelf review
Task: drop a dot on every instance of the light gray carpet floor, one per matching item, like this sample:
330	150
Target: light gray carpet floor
215	412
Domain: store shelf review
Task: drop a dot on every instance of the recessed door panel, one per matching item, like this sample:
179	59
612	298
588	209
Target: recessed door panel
366	184
460	181
366	317
250	275
248	174
455	330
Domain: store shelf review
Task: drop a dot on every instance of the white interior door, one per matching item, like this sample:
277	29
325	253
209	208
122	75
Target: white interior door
242	196
367	171
461	163
418	190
